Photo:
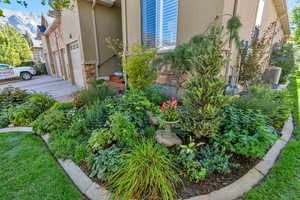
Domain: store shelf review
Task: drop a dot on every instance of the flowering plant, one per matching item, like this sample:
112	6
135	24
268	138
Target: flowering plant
169	110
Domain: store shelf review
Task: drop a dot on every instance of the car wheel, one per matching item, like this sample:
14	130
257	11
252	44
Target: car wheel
26	76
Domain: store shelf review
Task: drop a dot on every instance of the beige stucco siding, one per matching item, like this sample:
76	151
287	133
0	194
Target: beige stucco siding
88	43
247	10
131	11
195	16
70	25
270	15
109	24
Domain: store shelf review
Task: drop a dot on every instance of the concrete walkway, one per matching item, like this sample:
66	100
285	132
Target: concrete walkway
60	89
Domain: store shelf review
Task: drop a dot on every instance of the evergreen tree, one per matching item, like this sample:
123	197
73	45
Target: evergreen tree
14	48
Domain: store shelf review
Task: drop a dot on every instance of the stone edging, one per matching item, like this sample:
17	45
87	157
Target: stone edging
233	191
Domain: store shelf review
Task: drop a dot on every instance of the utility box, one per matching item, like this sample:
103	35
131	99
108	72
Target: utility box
272	75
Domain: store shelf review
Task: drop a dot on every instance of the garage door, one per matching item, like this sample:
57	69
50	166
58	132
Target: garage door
76	63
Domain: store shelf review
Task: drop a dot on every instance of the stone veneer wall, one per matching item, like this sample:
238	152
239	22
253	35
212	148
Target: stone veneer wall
89	74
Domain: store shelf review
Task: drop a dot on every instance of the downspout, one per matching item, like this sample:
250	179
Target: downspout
96	38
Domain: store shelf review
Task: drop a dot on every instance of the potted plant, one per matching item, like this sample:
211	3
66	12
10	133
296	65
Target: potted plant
169	116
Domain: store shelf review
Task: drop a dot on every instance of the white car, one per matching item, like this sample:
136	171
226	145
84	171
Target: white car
24	72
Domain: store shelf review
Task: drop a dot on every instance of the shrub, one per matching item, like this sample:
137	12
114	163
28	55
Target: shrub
138	67
25	114
81	153
43	101
283	56
5	116
146	172
64	144
189	165
123	129
272	103
12	96
63	106
203	99
96	93
214	159
106	163
135	105
154	94
51	121
101	139
245	132
254	58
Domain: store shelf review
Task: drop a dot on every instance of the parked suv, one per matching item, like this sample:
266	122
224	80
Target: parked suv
24	72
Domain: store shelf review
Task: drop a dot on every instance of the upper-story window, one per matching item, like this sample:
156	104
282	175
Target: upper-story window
159	23
260	12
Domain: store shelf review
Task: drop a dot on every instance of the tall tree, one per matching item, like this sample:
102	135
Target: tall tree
14	48
296	24
54	4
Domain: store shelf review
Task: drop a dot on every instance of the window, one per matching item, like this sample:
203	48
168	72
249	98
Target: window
260	12
159	23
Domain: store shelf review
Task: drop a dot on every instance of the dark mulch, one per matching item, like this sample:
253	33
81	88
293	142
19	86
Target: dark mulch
217	181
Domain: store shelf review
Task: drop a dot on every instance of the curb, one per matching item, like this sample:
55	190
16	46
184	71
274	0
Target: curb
233	191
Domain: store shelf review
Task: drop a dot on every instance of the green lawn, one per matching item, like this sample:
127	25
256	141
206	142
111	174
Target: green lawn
29	172
283	182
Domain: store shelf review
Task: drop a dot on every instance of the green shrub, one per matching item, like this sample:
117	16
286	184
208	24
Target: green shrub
146	172
154	94
81	153
189	166
123	129
135	105
28	112
245	132
272	103
101	139
43	101
25	114
138	67
51	121
5	116
12	96
204	97
214	159
95	93
283	56
63	106
64	144
106	163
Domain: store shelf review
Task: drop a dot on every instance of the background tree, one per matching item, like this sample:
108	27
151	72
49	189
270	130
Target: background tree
14	48
54	4
296	24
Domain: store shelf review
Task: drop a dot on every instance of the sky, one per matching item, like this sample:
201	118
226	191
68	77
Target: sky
34	6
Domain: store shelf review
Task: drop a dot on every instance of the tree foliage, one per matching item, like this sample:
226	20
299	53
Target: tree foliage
296	23
14	48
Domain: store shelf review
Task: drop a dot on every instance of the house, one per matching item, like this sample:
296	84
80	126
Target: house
76	44
163	24
75	41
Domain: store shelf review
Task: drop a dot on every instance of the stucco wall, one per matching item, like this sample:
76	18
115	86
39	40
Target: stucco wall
70	25
270	15
109	24
88	43
195	17
247	11
131	12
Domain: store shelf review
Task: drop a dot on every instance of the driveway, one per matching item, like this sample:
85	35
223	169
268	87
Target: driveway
60	89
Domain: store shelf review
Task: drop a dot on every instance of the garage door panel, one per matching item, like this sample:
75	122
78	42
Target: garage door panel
76	63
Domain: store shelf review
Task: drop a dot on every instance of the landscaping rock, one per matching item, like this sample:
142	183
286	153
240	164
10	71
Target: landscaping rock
169	139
